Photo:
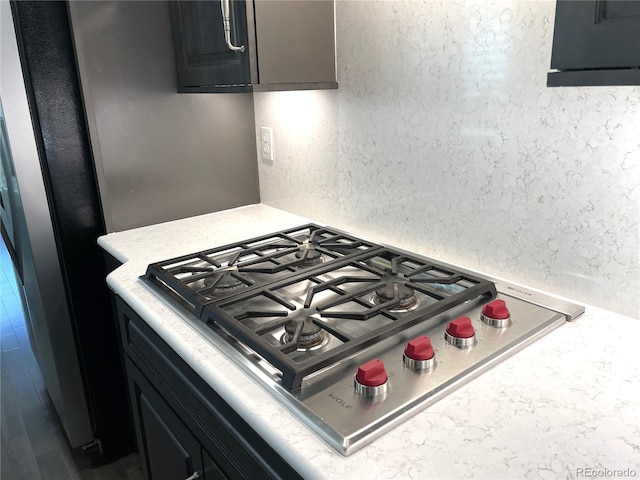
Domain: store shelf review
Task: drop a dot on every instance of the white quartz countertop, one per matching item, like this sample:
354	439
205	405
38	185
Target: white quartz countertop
566	406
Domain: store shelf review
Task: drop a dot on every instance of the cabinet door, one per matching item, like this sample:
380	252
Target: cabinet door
202	55
168	450
168	455
596	34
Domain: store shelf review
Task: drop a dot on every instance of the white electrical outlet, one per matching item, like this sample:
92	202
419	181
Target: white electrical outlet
266	143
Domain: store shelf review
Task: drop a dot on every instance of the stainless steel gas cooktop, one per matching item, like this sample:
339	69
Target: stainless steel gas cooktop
351	336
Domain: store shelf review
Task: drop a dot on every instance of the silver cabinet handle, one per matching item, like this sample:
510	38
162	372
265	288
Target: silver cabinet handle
193	477
226	21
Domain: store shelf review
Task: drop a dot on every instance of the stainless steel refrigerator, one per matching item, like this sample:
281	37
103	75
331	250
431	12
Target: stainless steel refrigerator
66	179
51	217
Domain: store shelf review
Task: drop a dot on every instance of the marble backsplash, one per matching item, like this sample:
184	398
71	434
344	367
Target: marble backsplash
444	139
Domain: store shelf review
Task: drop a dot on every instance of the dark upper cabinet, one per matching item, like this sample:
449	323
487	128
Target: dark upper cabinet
596	43
287	45
202	56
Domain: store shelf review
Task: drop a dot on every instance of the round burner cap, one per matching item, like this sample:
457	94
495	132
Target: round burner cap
386	293
308	328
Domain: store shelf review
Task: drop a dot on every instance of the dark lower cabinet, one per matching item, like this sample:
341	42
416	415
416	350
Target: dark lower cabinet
184	429
171	450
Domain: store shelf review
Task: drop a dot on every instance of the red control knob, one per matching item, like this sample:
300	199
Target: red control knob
496	309
419	355
496	314
460	333
372	373
419	349
461	327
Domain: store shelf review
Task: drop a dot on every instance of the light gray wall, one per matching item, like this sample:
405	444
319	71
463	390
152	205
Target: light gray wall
160	155
444	139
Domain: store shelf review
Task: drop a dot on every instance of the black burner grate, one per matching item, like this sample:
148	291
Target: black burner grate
357	301
310	296
197	279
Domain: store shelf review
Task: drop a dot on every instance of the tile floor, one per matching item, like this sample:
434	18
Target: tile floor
32	445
